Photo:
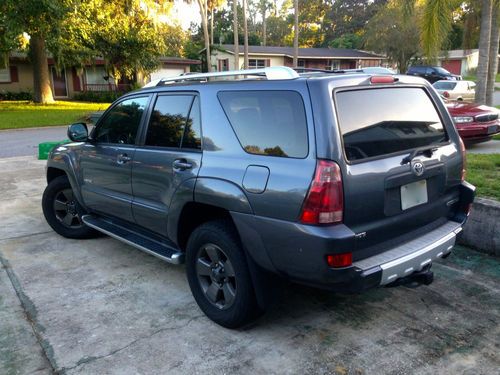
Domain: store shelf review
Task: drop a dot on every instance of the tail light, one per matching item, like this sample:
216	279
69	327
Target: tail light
382	79
464	159
339	260
324	203
446	94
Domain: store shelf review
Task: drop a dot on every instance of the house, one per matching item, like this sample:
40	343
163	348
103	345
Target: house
18	75
318	58
459	61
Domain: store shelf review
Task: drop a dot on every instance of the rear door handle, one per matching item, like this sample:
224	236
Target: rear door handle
182	164
123	158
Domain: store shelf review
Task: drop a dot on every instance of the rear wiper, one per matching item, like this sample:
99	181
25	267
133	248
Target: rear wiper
427	151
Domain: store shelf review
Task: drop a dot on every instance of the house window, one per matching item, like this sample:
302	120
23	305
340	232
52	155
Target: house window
301	63
256	63
223	65
332	65
5	75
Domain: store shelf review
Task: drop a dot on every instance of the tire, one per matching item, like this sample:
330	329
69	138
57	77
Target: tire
63	212
219	276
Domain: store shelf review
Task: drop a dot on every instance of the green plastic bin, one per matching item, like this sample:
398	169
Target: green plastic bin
44	148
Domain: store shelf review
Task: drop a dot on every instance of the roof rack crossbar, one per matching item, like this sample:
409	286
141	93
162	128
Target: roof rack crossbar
271	73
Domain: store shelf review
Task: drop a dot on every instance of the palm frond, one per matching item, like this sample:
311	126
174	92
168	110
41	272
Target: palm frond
436	24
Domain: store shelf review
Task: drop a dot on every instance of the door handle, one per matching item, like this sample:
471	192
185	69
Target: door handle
123	158
182	164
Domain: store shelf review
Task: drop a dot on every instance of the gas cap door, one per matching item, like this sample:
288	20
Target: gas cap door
255	179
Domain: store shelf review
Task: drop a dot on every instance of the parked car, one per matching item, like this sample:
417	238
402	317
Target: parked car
475	123
432	73
456	90
340	181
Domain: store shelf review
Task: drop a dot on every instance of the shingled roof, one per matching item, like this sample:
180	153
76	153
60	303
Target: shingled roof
316	53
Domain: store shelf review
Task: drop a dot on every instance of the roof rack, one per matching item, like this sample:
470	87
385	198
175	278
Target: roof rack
270	73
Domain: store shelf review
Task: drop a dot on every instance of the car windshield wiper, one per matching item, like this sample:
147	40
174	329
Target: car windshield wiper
427	151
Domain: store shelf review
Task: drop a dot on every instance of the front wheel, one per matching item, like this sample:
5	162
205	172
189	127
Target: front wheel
63	212
218	275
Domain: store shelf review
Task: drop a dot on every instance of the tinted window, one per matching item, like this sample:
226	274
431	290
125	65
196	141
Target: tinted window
170	123
382	121
447	85
442	71
192	133
121	122
268	122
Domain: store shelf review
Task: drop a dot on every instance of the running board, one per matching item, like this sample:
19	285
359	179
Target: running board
158	249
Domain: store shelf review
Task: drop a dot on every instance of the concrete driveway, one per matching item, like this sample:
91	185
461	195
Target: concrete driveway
101	307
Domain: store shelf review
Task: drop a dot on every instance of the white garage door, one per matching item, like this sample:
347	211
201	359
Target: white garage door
162	73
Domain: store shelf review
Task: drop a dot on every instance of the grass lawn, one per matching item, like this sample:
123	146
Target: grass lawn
473	78
483	171
24	114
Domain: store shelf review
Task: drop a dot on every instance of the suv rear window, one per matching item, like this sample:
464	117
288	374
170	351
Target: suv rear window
376	122
268	122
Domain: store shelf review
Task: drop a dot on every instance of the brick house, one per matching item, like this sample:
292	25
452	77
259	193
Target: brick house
18	75
318	58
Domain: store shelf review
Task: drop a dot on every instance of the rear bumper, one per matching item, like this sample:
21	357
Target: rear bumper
298	252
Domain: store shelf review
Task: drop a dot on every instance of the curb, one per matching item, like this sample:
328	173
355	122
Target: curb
482	231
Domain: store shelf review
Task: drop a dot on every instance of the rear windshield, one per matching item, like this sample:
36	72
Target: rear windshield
444	85
378	122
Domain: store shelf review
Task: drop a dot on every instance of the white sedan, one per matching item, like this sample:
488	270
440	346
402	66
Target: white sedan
456	90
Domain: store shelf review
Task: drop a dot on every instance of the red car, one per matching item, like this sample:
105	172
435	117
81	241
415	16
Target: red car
475	123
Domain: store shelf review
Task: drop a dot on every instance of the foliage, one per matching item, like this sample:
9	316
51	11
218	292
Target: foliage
436	25
22	95
395	34
98	96
24	114
351	41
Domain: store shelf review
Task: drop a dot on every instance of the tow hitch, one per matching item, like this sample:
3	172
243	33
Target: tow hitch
425	277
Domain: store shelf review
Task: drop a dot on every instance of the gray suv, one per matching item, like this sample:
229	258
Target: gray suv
343	181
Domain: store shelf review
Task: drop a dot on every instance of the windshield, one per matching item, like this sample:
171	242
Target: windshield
442	71
377	122
444	85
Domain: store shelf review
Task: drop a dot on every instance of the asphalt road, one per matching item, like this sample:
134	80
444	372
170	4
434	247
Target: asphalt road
24	142
101	307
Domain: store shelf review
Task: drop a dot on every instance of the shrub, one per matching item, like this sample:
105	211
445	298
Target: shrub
98	96
22	95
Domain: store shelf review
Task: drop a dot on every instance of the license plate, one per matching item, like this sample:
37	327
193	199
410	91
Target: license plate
413	194
492	129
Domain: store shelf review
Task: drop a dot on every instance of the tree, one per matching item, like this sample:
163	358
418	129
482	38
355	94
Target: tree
396	34
493	52
264	6
203	5
245	35
235	32
296	33
484	50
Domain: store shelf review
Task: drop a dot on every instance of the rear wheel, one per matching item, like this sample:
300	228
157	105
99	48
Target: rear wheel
218	275
63	212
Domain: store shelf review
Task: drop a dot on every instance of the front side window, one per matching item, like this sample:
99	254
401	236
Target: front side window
175	122
269	123
122	122
377	122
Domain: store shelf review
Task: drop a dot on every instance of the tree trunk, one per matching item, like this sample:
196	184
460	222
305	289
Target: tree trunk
235	33
245	35
484	49
493	58
212	26
264	25
204	22
296	34
42	92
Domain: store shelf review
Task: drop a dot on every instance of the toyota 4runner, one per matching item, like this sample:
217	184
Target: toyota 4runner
344	181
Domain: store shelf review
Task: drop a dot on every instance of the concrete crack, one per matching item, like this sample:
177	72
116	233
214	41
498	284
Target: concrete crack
86	360
25	235
31	313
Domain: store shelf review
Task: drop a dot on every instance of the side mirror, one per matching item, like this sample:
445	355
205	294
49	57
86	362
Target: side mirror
78	132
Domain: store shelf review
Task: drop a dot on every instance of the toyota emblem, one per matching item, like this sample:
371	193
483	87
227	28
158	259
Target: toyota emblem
418	168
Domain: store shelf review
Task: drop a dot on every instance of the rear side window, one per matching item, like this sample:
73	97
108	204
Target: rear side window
175	122
377	122
446	85
268	122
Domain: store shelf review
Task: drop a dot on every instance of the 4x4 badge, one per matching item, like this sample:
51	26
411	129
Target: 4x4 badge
417	168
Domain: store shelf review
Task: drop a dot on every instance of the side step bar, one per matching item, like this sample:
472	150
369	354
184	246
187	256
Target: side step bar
158	249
